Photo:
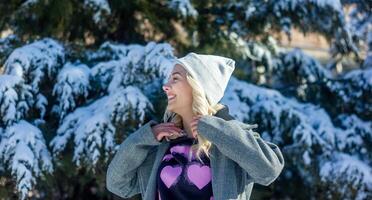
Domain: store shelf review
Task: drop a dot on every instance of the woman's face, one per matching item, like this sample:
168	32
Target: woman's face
178	91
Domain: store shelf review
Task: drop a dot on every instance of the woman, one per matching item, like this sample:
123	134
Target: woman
200	151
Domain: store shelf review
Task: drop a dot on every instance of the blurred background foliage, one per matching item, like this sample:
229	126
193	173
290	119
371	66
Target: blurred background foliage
314	51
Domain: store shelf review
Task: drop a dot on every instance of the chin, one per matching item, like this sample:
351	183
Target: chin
172	108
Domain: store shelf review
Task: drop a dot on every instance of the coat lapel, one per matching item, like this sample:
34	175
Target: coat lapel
151	186
224	114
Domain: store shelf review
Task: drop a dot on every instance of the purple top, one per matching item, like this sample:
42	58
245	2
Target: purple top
181	178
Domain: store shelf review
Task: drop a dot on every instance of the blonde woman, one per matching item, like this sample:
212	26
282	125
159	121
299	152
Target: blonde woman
199	152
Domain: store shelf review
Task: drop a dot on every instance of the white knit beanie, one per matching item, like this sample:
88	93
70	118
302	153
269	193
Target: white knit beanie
211	72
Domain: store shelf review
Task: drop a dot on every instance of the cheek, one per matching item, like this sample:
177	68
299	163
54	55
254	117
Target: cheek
184	91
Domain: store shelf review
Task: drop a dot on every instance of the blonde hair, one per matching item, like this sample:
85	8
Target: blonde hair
200	106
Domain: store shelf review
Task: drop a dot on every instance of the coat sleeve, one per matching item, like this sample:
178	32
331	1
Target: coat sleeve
122	177
262	160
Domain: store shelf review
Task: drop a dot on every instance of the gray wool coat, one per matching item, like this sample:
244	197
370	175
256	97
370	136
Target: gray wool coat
239	158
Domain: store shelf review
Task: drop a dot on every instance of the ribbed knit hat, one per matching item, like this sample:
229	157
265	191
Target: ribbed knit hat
210	71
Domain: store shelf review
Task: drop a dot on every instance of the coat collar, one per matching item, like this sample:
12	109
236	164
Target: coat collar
224	113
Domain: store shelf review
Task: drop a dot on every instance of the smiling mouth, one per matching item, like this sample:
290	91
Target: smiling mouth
172	98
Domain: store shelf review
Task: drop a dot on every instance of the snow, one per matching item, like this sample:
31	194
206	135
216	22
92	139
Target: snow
72	83
34	63
333	4
100	7
7	44
355	137
23	147
122	73
30	2
322	16
12	97
93	127
345	168
364	77
127	79
359	24
255	101
314	136
184	7
307	66
353	91
306	157
254	51
45	53
293	5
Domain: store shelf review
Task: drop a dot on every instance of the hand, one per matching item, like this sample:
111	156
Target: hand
194	125
167	130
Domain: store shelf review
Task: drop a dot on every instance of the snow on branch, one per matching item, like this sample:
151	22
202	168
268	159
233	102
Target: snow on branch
92	128
300	75
72	85
274	111
326	17
184	7
23	151
100	7
15	98
35	64
347	175
7	45
308	136
121	73
130	64
356	137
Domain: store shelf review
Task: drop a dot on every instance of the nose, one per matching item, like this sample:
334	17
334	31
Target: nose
166	87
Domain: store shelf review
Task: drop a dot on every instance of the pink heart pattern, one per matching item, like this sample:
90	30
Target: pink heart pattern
199	175
177	174
170	174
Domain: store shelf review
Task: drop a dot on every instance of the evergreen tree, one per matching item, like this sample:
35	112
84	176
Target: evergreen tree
78	77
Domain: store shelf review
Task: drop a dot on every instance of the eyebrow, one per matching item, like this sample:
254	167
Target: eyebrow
176	73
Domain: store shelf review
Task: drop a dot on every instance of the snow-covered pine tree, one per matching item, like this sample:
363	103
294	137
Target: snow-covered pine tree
122	74
79	104
7	45
122	81
23	106
297	74
329	157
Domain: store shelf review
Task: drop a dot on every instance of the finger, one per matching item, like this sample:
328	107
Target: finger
172	133
193	129
193	122
170	128
168	124
175	129
178	133
196	118
193	126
